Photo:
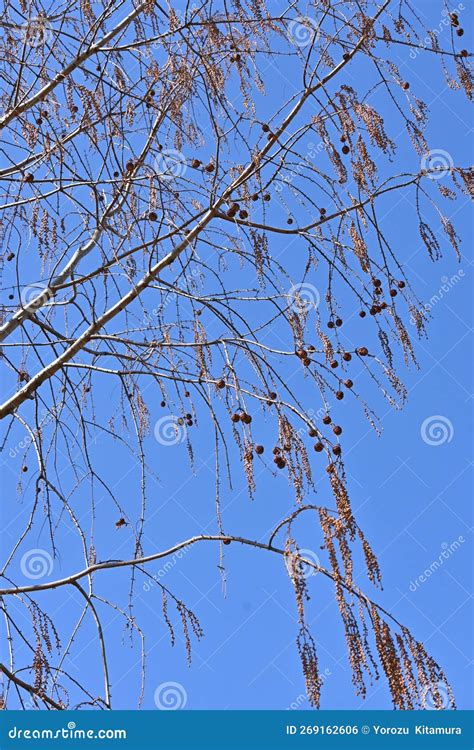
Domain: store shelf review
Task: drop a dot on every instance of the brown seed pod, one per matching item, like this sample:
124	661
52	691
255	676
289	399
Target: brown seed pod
289	220
246	418
243	214
337	430
235	417
393	292
337	450
220	384
330	324
334	364
363	351
345	149
226	541
259	449
362	314
255	197
276	450
162	404
401	284
460	32
210	167
267	197
196	163
306	362
405	85
347	356
312	432
348	383
272	395
281	463
339	395
318	447
265	127
339	322
327	419
29	177
153	216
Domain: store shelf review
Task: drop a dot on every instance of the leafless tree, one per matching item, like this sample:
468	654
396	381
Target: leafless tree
165	241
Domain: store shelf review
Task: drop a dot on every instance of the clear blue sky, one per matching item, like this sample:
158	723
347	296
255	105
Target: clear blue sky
411	498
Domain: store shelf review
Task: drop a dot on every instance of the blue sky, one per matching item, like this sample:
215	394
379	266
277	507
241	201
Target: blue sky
411	496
